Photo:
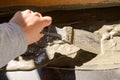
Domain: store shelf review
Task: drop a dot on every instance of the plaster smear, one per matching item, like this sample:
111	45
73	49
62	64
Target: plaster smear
110	50
61	47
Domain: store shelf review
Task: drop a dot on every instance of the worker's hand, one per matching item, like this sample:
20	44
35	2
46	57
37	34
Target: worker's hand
32	24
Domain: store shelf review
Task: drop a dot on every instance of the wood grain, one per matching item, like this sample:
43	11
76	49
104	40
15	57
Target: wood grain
45	2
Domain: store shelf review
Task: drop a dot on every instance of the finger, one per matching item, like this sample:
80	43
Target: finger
46	21
40	36
37	14
27	12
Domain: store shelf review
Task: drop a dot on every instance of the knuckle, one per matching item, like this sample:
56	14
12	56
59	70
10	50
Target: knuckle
37	14
28	11
18	12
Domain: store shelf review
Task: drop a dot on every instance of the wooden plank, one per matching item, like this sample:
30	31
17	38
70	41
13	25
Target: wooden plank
60	3
46	2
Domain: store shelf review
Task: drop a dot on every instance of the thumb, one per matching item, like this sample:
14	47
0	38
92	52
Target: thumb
46	20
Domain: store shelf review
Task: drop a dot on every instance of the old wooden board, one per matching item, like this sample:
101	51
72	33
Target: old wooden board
61	4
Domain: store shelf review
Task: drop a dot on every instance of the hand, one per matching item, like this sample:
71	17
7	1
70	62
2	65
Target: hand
32	24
